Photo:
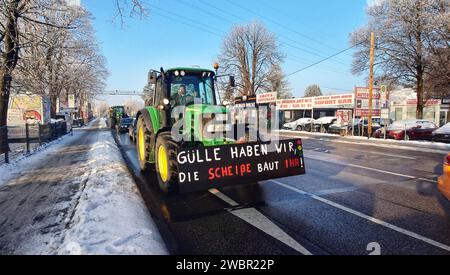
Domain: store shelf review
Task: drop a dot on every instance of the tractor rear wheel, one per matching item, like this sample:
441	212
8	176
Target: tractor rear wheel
166	163
143	145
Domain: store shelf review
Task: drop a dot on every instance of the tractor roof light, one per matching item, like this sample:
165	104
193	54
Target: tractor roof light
176	73
216	66
183	73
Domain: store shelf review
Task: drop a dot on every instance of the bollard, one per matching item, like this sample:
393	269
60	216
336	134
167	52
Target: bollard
40	134
405	133
27	135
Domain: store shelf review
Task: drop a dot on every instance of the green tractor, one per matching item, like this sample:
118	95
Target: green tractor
115	115
176	137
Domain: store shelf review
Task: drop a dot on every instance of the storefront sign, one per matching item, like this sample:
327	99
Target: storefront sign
266	98
334	101
321	102
430	102
213	167
295	104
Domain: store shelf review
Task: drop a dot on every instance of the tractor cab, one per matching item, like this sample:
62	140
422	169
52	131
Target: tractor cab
183	87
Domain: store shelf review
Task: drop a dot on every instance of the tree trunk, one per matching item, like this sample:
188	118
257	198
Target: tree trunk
9	59
420	100
53	111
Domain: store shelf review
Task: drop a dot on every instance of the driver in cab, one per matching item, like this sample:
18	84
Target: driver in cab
181	98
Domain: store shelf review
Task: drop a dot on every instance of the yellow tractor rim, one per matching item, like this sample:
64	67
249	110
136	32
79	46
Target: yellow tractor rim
141	143
162	163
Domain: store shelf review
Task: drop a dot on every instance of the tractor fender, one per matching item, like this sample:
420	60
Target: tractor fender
148	121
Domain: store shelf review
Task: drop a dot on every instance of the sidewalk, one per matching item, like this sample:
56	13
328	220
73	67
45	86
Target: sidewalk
423	146
75	197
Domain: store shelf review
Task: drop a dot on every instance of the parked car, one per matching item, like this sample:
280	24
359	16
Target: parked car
444	180
78	122
132	130
302	124
322	124
413	129
124	124
442	134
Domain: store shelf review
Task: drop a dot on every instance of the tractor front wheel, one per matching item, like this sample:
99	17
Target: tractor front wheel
166	163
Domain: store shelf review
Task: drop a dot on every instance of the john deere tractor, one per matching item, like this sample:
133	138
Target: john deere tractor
176	137
115	115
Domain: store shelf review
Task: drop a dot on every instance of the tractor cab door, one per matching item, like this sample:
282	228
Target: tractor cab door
160	95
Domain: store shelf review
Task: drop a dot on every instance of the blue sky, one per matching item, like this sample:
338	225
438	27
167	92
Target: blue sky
190	32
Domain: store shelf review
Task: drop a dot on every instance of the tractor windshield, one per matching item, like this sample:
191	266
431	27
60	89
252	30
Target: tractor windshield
192	89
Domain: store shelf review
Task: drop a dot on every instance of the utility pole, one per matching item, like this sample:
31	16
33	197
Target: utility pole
372	52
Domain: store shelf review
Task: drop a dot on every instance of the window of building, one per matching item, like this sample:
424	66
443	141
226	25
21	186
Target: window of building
411	113
429	113
398	113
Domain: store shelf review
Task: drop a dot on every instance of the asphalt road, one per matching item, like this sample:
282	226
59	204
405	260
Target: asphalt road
354	199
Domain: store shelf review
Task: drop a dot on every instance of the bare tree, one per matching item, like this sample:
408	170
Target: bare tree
279	83
101	109
17	19
148	94
132	106
250	52
20	21
62	61
411	37
313	90
130	8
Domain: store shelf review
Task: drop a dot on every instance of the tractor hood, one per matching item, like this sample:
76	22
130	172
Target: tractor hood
195	119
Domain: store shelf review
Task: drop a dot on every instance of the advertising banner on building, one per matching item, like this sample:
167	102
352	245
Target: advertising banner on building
344	116
362	102
25	108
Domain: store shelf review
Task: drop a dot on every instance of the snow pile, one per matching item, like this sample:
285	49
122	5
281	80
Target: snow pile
111	217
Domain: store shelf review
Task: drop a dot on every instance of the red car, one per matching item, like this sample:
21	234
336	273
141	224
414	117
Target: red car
414	130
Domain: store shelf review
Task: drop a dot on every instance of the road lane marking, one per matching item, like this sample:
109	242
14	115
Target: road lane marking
382	154
261	222
391	173
366	217
223	197
335	191
344	162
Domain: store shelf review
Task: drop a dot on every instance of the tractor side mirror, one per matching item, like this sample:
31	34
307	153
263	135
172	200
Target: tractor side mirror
152	77
232	81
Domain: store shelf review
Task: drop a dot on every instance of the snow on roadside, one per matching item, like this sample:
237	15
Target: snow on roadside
111	217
